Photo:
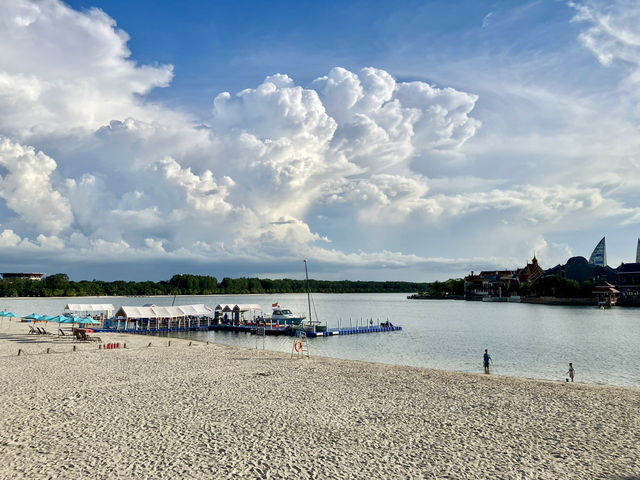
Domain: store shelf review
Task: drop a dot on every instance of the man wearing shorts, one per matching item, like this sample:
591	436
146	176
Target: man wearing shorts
486	361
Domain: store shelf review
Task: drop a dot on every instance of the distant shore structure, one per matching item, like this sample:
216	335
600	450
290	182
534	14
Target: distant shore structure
24	276
638	252
599	255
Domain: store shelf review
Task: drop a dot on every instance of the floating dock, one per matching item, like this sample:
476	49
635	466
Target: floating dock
254	329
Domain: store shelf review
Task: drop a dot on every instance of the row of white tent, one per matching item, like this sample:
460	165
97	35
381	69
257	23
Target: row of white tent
90	309
154	311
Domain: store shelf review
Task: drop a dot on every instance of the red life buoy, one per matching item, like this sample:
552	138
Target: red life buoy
298	346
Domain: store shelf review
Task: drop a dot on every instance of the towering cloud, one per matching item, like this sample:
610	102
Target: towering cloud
92	169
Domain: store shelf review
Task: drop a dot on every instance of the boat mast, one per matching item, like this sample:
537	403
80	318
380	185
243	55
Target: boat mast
306	272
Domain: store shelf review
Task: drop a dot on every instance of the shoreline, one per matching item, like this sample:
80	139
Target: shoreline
217	411
136	340
130	341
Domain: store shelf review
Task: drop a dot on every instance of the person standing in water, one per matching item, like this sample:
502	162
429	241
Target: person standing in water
486	360
572	371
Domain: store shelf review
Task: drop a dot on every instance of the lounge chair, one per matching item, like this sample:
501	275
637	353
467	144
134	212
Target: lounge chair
42	331
63	334
33	330
88	338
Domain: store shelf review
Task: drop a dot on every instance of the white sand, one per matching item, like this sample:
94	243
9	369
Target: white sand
209	411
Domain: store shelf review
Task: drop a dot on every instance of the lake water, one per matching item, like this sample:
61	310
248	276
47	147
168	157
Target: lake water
534	341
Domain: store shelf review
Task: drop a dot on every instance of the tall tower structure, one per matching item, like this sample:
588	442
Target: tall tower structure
599	255
638	252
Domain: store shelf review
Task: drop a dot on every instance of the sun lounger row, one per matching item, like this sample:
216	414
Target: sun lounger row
37	331
83	337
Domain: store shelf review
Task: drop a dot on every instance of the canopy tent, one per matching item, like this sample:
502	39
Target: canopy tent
153	312
90	309
225	307
237	311
163	317
240	307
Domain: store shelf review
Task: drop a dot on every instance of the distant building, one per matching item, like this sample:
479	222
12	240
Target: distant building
606	294
499	283
599	255
638	252
629	283
474	287
490	283
23	276
580	270
531	272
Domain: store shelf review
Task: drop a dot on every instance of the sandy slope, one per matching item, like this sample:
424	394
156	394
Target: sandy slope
208	411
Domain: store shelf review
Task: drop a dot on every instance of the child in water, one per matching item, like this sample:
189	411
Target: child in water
571	371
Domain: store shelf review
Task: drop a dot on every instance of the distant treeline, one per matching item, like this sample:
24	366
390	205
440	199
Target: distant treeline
59	285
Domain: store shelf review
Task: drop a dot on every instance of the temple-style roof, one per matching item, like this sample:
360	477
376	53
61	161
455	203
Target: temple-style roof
629	268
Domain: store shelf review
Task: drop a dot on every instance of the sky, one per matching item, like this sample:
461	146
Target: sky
414	140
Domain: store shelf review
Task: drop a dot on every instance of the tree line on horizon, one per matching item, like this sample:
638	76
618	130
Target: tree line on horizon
59	285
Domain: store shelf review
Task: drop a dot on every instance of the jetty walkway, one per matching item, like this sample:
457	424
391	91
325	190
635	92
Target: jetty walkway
253	329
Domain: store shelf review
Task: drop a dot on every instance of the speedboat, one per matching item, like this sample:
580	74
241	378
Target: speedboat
284	316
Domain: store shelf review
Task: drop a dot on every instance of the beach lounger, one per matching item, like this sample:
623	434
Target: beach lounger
42	331
66	335
88	338
33	331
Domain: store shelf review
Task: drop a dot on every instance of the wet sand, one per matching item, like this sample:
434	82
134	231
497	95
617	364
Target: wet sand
211	411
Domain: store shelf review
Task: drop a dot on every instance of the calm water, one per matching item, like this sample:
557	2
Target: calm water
535	341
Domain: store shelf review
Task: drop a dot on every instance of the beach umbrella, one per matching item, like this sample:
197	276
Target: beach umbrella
10	314
33	316
45	318
77	320
88	320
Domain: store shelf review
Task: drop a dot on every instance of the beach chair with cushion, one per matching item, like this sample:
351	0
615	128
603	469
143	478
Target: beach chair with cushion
88	338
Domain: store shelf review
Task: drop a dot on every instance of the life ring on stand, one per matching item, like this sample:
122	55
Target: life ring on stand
298	346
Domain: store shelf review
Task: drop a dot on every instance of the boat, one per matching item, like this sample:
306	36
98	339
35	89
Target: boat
284	316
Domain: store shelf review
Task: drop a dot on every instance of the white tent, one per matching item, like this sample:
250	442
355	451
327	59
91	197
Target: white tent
163	317
199	310
240	307
247	307
90	309
225	307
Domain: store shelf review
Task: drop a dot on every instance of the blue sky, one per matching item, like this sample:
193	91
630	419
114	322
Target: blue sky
412	141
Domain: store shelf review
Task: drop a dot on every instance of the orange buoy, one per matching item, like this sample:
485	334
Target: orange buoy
298	346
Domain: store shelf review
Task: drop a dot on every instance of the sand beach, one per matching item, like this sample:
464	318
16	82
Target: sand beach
210	411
